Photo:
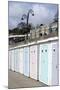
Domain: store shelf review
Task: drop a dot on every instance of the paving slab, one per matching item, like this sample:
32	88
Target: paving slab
18	80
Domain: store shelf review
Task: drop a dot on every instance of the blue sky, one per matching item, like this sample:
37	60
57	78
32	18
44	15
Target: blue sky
43	13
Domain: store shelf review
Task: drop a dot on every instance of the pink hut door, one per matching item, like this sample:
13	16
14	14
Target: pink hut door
33	62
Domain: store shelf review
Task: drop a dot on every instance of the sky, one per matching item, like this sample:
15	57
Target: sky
43	13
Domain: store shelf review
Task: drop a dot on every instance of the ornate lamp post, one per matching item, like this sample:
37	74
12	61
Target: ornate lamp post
24	16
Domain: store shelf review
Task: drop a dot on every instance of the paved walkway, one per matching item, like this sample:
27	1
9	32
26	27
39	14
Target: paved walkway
17	80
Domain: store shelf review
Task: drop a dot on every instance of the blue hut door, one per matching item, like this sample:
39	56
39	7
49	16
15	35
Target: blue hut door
26	61
44	63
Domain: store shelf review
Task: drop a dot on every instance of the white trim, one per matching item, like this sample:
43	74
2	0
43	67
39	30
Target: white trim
12	36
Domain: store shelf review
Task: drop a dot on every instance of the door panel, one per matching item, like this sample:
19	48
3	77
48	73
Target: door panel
33	62
21	61
31	58
15	60
55	63
41	56
26	61
45	75
12	54
50	64
17	64
9	59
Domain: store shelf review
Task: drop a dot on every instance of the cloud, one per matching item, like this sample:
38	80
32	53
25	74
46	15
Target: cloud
42	13
16	10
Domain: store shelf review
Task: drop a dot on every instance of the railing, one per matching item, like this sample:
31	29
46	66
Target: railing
33	43
35	36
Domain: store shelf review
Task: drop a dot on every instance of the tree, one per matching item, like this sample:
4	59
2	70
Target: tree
56	17
23	27
10	31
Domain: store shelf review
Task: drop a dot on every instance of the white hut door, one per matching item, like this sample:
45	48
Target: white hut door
55	62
